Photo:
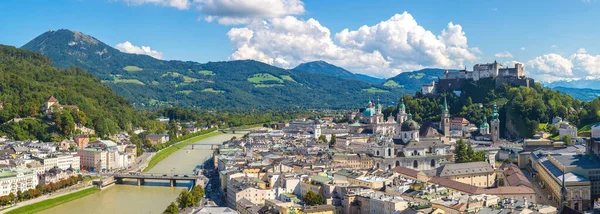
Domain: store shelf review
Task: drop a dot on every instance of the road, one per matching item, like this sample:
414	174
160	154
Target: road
542	194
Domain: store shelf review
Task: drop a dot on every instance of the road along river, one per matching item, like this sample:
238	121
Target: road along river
154	196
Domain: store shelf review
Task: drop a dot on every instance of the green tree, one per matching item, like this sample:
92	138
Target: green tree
313	199
154	127
568	139
322	139
479	156
173	129
332	141
172	209
470	153
460	152
185	199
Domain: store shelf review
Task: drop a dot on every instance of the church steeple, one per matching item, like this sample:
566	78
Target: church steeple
445	109
495	113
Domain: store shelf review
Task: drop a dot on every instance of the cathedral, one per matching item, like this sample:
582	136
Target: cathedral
402	141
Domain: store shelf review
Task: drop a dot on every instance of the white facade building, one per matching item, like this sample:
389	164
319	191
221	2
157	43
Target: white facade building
596	131
21	179
61	161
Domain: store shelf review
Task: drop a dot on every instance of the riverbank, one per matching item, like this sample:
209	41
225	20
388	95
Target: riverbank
162	154
49	203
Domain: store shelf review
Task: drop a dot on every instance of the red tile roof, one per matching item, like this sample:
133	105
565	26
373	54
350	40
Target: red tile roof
52	99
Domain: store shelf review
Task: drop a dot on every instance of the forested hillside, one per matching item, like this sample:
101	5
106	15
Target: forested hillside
28	79
521	109
247	84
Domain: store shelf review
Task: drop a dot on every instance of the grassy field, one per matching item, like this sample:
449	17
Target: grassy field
131	68
47	204
586	129
287	78
212	90
206	72
186	92
391	84
162	154
133	81
266	85
186	79
374	90
542	126
258	78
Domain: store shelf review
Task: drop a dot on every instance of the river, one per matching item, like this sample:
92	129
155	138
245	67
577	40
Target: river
154	197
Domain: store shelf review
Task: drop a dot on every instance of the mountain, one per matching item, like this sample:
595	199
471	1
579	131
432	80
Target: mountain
412	81
325	68
146	81
583	83
583	94
28	79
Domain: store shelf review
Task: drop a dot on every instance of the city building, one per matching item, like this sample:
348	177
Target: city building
157	138
19	179
62	161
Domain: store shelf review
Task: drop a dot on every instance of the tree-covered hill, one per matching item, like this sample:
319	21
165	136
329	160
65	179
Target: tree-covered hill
413	81
28	79
583	94
323	67
521	109
146	81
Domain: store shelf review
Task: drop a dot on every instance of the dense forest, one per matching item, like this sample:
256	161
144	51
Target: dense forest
28	79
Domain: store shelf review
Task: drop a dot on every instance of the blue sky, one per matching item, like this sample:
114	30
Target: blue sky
555	39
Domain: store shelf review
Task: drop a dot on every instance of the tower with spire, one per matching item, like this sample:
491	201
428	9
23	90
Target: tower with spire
402	116
495	125
484	128
445	119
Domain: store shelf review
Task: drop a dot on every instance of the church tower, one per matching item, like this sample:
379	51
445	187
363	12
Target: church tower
484	128
445	119
402	116
495	125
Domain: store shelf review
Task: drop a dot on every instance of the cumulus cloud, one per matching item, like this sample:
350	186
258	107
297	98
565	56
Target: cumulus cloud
385	49
551	64
552	67
504	54
586	64
127	47
244	11
179	4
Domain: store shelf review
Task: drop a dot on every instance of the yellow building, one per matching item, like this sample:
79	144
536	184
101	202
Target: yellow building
479	174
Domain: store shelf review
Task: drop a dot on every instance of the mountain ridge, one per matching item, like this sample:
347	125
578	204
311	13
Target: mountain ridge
146	81
329	69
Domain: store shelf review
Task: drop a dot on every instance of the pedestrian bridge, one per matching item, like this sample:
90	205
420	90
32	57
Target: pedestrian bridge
141	178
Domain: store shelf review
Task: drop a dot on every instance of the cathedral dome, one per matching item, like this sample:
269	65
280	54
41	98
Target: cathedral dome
369	112
410	125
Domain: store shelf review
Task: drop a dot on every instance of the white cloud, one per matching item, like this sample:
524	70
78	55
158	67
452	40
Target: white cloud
127	47
553	67
553	46
523	48
551	64
586	64
385	49
504	54
179	4
244	11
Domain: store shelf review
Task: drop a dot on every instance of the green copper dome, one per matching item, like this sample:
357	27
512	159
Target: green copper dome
369	112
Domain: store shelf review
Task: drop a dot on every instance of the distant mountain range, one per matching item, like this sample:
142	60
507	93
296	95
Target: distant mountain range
323	67
146	81
583	94
588	84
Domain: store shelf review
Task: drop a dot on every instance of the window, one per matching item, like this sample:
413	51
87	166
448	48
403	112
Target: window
415	164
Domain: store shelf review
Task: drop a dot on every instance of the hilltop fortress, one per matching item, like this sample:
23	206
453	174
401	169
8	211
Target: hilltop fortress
454	81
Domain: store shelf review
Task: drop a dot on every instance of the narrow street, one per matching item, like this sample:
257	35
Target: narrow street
541	194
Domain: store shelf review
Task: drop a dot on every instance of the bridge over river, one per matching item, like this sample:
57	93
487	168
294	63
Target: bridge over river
141	178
